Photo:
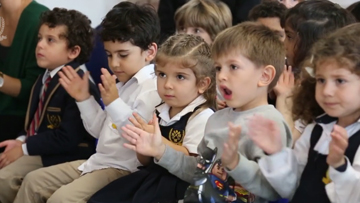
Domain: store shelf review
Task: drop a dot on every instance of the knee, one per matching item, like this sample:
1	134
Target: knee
33	179
5	179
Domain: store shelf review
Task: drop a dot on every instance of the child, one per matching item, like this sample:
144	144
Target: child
205	18
130	50
245	74
54	132
305	24
186	84
324	166
270	14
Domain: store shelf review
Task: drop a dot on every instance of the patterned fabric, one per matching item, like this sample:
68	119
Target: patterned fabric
35	122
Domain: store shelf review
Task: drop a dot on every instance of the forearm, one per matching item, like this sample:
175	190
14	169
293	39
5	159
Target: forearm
175	147
284	106
12	86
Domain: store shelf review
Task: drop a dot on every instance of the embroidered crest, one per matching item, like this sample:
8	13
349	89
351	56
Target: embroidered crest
176	136
54	121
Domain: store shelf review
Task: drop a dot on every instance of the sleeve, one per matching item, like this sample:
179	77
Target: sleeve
344	186
195	130
178	164
144	105
64	139
92	115
283	170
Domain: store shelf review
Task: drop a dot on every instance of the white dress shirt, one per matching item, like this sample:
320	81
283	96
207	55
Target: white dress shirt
47	73
139	94
283	170
194	130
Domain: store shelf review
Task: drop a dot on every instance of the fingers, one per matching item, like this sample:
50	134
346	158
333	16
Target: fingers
139	119
3	160
129	138
105	82
132	131
338	141
156	125
107	76
4	144
341	131
70	72
102	89
129	146
135	123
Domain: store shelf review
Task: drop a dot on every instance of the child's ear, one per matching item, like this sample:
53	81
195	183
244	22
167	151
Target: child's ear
151	52
267	76
204	85
74	52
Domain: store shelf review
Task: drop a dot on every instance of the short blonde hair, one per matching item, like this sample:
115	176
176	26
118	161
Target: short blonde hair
212	15
256	42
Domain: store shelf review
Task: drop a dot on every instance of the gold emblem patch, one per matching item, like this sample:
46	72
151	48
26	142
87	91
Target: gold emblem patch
176	136
54	121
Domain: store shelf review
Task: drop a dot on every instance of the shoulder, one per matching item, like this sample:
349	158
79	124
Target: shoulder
33	12
202	115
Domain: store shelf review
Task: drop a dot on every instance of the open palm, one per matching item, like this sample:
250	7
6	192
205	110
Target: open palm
148	144
75	86
265	134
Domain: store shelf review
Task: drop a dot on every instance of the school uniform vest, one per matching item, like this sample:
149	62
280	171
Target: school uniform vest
316	173
152	183
175	133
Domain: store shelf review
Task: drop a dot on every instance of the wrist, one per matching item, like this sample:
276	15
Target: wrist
160	151
339	164
83	98
231	166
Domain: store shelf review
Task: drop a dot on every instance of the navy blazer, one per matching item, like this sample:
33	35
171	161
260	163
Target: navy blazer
61	136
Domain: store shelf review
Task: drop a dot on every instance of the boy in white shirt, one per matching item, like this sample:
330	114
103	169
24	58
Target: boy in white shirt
130	33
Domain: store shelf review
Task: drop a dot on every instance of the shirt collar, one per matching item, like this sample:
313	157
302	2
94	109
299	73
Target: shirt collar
163	109
145	73
51	73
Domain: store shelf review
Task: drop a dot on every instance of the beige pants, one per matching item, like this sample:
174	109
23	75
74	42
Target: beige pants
13	174
63	184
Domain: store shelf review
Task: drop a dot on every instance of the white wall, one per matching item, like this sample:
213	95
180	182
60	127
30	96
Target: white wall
94	9
344	3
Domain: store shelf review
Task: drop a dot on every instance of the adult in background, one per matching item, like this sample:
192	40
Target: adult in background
19	21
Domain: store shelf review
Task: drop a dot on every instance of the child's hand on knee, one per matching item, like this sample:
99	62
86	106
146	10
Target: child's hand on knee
230	156
265	134
337	147
148	144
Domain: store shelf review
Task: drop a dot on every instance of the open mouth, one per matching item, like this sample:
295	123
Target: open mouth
226	92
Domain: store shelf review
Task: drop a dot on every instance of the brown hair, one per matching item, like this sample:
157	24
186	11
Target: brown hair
256	42
191	52
212	15
343	46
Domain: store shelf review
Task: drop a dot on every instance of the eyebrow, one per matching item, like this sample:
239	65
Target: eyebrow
119	51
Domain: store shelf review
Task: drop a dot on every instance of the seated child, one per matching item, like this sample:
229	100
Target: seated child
130	50
204	18
186	84
54	132
245	75
270	14
324	165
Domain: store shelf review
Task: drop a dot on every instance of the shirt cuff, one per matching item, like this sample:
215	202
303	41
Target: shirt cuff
21	138
86	107
24	149
343	167
119	111
342	177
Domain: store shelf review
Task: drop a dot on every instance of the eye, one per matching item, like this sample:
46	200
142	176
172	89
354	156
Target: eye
122	55
197	30
180	77
233	67
39	38
161	75
109	55
217	68
50	39
340	81
320	80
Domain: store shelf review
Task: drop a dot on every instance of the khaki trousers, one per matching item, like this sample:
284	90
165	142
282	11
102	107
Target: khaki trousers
63	183
13	174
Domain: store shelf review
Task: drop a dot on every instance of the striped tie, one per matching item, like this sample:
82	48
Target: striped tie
34	125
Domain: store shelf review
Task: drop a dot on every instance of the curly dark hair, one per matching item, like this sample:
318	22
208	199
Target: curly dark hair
78	33
312	20
343	47
355	10
127	21
268	9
